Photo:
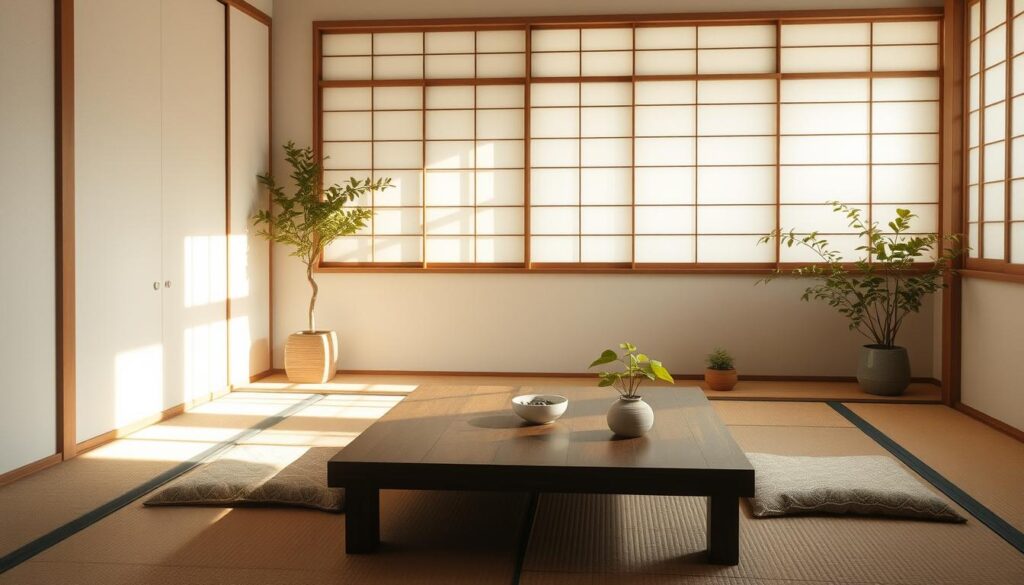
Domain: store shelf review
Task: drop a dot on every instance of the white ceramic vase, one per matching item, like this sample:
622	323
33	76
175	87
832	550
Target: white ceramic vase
630	417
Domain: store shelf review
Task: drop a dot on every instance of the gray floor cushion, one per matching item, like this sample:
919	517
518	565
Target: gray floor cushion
867	485
258	475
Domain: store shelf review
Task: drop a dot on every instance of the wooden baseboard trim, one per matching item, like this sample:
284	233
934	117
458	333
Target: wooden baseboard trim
26	470
990	421
98	440
263	374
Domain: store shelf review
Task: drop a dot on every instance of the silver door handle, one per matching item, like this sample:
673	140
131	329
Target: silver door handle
167	284
156	285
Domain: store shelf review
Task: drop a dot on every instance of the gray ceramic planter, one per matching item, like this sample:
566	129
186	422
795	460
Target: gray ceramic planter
884	371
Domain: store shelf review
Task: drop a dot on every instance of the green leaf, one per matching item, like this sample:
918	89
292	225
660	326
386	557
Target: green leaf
607	356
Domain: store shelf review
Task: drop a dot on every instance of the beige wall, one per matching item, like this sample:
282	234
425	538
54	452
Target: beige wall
993	345
546	323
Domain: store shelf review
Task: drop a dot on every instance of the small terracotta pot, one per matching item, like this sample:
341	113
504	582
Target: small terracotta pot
311	357
722	380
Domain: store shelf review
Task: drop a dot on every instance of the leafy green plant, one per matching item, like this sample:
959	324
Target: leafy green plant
310	218
638	367
719	360
877	291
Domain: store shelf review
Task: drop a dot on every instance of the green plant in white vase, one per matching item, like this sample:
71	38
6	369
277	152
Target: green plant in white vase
630	416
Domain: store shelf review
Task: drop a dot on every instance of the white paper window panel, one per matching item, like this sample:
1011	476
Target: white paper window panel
554	186
824	90
1017	200
667	62
714	61
973	131
995	13
995	46
897	89
607	121
397	221
499	154
905	33
499	220
1016	157
342	176
449	220
606	249
397	155
995	84
450	42
606	187
555	64
733	249
665	219
905	117
651	152
1017	117
555	94
718	185
450	97
449	188
499	124
347	126
500	41
1017	243
825	59
905	183
397	98
974	20
820	184
397	125
825	150
450	66
846	245
1016	34
450	124
606	220
732	120
973	203
555	248
974	93
606	152
665	92
824	118
972	166
994	162
346	44
818	35
499	249
747	35
607	39
398	67
406	43
995	122
345	68
406	188
735	219
665	121
607	63
736	91
745	150
974	57
926	222
994	202
664	249
501	187
501	65
606	94
555	40
554	122
995	245
905	148
666	37
665	185
450	249
972	240
500	96
551	152
347	98
804	219
347	155
350	249
454	154
554	220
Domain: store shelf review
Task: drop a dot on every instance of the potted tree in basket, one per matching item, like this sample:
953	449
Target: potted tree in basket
876	292
720	373
308	220
630	416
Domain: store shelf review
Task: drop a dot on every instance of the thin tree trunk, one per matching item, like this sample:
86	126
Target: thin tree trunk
312	299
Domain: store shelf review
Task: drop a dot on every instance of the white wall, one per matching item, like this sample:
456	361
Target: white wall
27	301
547	323
993	345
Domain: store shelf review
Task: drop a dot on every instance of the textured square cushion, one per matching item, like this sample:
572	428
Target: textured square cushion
866	485
258	475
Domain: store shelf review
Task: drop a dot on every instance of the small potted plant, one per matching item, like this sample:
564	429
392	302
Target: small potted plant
720	373
307	221
630	416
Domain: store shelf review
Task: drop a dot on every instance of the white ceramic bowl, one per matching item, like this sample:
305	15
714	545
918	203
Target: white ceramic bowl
541	414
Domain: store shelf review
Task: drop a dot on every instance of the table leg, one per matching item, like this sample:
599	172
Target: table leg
724	530
362	519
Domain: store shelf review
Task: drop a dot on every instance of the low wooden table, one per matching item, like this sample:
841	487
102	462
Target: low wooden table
467	438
